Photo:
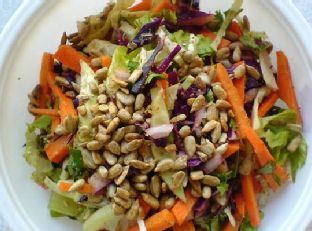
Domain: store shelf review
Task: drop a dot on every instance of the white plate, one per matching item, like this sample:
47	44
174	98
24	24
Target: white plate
37	27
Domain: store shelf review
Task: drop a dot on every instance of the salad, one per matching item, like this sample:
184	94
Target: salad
159	116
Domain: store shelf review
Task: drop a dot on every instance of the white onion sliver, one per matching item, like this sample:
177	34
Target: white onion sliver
141	224
199	115
213	163
160	131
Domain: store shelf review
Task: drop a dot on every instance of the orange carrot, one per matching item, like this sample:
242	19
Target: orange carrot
257	186
240	86
212	35
267	104
70	57
106	60
269	178
163	4
55	122
234	99
66	105
182	209
251	200
158	222
240	204
238	215
65	186
58	150
262	153
146	207
236	28
232	148
284	81
142	6
46	67
42	111
186	226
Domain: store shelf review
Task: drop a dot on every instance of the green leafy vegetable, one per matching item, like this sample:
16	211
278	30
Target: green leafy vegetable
43	122
210	224
181	37
209	96
132	65
203	46
141	21
153	76
246	226
223	187
75	163
169	15
267	169
189	80
274	130
255	40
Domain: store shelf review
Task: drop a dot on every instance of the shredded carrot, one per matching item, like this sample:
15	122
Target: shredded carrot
240	204
70	57
163	4
251	200
186	226
57	150
232	148
236	28
285	85
46	67
240	86
66	105
106	60
65	186
158	222
212	35
146	207
257	186
267	104
142	6
42	111
55	122
182	209
262	153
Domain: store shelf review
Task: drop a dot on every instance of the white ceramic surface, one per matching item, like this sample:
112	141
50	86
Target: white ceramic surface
37	27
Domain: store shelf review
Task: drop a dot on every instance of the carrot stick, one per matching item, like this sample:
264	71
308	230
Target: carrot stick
66	105
240	204
240	86
212	35
57	150
106	60
42	111
235	100
146	207
70	57
182	209
186	226
55	122
142	6
232	148
285	85
158	222
65	186
267	104
46	67
257	186
163	4
236	28
251	200
262	153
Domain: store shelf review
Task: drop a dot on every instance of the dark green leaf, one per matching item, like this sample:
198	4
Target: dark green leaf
133	65
75	163
223	187
153	76
209	96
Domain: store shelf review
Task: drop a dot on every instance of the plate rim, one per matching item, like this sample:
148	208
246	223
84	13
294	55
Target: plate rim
14	214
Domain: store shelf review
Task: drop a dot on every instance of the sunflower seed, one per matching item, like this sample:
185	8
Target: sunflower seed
185	131
139	178
134	144
190	145
216	133
206	192
114	171
94	145
209	126
150	200
198	103
155	186
124	98
133	212
113	125
140	187
177	179
212	112
77	185
197	175
118	210
212	181
123	175
219	91
221	149
178	118
113	147
139	102
164	165
138	164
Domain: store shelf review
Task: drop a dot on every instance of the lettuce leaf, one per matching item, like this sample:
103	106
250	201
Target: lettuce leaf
34	153
277	136
119	62
255	40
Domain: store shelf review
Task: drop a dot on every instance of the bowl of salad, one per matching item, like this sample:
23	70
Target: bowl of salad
156	115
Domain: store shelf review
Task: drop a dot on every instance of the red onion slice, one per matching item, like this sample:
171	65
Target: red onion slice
98	183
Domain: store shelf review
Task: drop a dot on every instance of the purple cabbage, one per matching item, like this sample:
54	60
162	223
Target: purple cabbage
146	35
121	40
177	139
173	78
231	134
190	17
137	87
166	62
248	108
161	142
253	83
57	68
194	162
76	102
201	208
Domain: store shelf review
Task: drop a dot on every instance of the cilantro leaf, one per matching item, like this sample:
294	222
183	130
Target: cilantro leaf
75	163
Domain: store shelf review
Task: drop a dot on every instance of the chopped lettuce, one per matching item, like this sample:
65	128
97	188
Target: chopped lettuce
128	30
168	178
75	163
274	130
34	153
160	114
154	76
255	110
119	62
246	226
203	46
102	219
141	21
181	37
255	41
189	80
172	96
230	15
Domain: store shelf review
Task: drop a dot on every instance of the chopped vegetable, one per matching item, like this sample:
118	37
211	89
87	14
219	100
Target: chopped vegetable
232	149
267	72
163	4
46	68
142	6
40	111
267	104
70	57
65	187
106	60
240	86
182	209
58	149
284	80
186	226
